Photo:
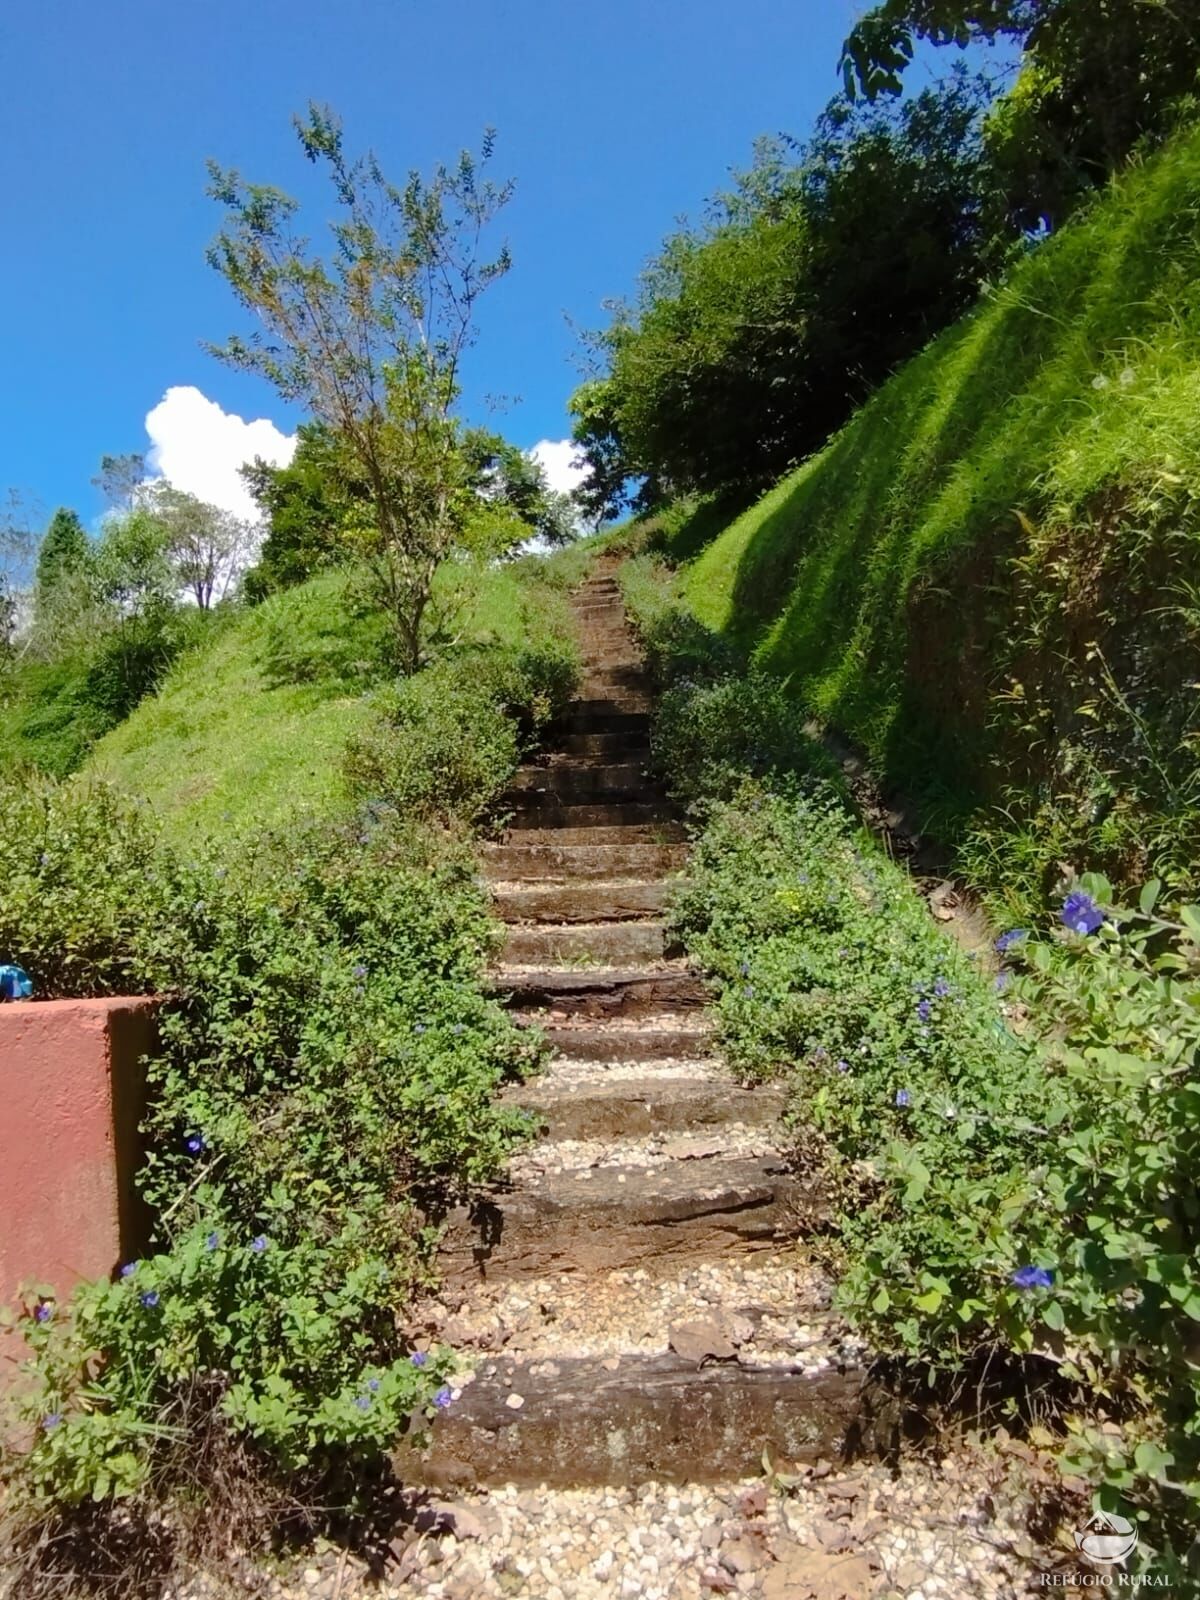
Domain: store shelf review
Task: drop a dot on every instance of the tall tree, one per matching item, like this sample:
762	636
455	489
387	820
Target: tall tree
370	340
1097	76
120	479
205	544
63	552
757	332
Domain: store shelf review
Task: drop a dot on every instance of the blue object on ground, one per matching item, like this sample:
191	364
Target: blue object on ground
15	984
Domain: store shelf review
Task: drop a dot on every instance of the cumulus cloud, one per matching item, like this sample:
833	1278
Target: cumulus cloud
199	447
556	457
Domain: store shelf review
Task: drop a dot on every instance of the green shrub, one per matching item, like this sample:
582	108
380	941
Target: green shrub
325	1078
446	741
709	736
79	888
56	709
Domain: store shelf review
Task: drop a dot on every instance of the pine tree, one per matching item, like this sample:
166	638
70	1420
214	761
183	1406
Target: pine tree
63	551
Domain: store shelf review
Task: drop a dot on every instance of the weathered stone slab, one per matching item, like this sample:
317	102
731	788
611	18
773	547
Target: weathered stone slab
582	902
613	1217
627	1044
655	1418
573	863
624	943
632	1108
607	993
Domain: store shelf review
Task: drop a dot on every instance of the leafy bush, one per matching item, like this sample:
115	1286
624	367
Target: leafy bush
447	740
56	709
325	1079
79	887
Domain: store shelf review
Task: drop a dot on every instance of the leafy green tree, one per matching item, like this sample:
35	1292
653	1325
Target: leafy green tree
756	333
1097	76
120	479
205	544
370	340
134	572
63	551
505	477
305	506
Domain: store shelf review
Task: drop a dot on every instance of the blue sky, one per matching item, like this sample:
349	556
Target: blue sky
613	119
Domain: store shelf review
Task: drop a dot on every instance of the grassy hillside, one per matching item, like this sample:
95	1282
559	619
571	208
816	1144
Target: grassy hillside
250	727
991	576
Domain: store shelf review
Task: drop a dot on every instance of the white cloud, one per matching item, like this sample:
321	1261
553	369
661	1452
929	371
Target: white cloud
199	447
557	457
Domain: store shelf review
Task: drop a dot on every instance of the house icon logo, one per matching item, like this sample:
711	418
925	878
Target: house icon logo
1107	1538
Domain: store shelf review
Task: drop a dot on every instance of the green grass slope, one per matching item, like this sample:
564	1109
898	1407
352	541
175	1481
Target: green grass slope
250	728
991	576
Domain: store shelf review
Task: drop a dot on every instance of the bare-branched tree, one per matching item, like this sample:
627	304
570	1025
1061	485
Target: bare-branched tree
370	340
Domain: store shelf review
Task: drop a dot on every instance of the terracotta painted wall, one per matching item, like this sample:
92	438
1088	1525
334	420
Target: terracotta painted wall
72	1093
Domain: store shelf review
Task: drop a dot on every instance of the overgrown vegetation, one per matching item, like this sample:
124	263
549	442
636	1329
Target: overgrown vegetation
326	1078
1007	1156
987	578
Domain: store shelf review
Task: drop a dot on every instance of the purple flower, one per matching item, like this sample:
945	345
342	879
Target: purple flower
373	1385
128	1270
843	1066
150	1298
51	1421
259	1244
44	1312
213	1240
903	1097
443	1397
1033	1278
749	991
1081	914
1006	940
419	1357
924	1010
363	1402
745	969
360	971
1002	979
941	988
194	1143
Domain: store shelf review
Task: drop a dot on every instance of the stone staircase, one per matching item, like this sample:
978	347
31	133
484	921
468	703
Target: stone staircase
629	1300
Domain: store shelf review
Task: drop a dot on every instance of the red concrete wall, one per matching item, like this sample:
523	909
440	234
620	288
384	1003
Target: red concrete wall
72	1092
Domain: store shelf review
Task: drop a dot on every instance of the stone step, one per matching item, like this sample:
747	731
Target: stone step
603	679
602	993
660	1418
631	1108
596	1220
608	747
580	863
582	902
553	813
613	720
636	1043
592	834
593	780
612	942
596	713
